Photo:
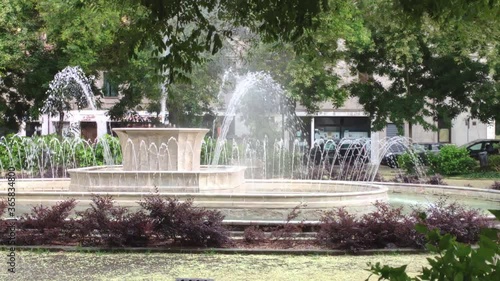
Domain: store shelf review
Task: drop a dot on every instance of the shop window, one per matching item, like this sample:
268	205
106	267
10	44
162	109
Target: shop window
444	130
109	88
392	131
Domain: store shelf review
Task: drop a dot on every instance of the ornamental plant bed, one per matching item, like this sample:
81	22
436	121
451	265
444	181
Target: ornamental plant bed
169	223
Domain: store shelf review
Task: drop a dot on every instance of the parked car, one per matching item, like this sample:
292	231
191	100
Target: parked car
346	150
351	149
488	145
321	151
420	149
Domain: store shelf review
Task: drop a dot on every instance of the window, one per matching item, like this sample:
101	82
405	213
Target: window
392	131
444	130
109	88
476	147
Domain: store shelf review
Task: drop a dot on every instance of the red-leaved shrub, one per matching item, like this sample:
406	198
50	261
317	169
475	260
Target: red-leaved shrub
253	235
496	185
3	207
463	223
46	225
387	226
436	179
3	223
182	223
288	231
339	229
106	224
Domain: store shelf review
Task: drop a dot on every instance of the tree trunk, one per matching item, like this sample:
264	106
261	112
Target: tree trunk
410	130
60	125
163	104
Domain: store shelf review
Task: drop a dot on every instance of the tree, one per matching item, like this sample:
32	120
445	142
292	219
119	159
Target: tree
182	31
27	63
430	76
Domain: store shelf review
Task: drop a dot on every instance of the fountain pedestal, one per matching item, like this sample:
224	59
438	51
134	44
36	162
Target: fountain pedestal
163	159
161	149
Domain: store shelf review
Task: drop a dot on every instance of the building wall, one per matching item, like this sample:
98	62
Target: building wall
463	130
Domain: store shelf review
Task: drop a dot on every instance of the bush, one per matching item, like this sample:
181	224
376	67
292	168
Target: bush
388	227
339	229
463	223
253	235
109	225
406	179
494	163
184	224
3	207
409	162
496	185
385	227
287	232
453	260
452	160
436	179
4	227
50	156
46	225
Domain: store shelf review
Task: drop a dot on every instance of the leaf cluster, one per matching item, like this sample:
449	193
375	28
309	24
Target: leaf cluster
453	260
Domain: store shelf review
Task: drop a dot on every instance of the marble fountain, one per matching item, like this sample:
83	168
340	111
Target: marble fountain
166	161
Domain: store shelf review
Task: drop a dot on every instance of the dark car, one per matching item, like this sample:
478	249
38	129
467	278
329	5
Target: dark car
482	145
321	151
350	151
420	149
345	150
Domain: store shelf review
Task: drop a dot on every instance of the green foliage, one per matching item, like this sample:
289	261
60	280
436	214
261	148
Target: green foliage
46	154
408	162
307	70
452	160
494	163
26	62
454	260
481	175
432	72
114	148
230	152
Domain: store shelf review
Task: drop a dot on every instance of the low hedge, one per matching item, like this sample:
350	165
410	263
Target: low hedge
169	222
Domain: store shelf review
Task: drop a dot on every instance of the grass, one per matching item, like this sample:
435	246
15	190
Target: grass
481	175
156	266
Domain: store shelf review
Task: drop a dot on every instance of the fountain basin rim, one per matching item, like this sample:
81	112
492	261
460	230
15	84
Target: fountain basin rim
194	194
449	187
383	184
119	169
187	130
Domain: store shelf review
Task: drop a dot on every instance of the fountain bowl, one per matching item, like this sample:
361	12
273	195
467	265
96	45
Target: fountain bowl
163	159
116	179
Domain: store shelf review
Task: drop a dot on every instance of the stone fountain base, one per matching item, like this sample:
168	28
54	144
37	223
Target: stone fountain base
115	179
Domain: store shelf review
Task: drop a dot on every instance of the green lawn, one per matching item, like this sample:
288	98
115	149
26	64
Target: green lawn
104	266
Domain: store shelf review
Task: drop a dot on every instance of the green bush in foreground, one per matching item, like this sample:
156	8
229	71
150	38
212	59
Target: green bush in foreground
408	162
454	261
494	163
451	160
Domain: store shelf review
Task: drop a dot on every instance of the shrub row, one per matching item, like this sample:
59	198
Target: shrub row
451	160
170	222
104	224
49	156
388	227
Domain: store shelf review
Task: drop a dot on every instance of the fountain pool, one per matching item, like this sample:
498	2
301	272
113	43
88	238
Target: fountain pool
270	199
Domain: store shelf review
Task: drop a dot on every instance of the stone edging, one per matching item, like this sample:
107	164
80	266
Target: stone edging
178	250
